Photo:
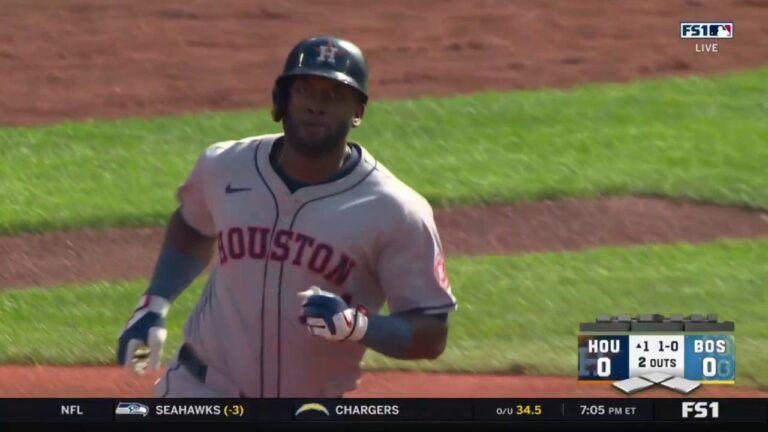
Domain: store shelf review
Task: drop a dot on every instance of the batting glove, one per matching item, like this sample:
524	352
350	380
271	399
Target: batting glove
327	315
141	342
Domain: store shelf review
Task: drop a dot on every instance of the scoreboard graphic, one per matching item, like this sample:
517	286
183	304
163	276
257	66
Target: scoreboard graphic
678	352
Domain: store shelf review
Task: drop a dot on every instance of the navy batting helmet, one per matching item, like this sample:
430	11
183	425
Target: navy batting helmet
324	56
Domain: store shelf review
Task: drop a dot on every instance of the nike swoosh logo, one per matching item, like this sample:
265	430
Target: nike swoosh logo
231	189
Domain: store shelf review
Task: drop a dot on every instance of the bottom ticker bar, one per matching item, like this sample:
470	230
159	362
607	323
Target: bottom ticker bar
285	411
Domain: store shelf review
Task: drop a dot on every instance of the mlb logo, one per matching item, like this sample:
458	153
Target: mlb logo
708	30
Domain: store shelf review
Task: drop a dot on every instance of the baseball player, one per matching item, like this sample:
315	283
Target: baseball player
311	235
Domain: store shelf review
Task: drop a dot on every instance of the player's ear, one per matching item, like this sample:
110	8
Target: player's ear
277	105
280	100
358	119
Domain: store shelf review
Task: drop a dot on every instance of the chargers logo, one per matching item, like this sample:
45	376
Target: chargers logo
708	30
312	407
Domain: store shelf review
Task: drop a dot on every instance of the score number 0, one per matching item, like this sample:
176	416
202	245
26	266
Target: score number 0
709	366
604	367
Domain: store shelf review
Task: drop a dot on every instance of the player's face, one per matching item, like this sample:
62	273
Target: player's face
320	114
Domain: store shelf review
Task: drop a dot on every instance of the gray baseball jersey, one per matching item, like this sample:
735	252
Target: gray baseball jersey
367	235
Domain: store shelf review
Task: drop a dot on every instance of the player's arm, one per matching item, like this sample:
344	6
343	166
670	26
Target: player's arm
407	335
187	240
411	269
186	251
184	255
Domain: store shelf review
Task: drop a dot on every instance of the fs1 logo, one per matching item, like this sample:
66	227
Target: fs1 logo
701	410
711	30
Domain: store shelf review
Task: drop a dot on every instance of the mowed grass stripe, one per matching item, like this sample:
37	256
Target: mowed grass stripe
516	314
696	137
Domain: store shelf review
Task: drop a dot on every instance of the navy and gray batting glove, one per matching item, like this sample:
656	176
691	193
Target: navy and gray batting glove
141	341
327	315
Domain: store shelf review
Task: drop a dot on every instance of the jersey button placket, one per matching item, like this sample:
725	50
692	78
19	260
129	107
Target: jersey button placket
286	212
287	209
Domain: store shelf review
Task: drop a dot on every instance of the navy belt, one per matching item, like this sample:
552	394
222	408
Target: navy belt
192	362
194	365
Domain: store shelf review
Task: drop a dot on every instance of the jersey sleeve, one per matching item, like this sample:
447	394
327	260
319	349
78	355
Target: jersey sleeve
411	267
195	208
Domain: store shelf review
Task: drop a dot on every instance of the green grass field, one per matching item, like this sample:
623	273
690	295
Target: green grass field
703	138
516	314
700	138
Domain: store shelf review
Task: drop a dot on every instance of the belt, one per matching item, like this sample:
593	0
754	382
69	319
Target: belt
194	365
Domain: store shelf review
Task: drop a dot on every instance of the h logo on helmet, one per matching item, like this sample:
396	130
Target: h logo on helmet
327	53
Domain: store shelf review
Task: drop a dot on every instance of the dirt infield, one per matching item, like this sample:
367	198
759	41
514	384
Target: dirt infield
562	225
52	381
90	59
